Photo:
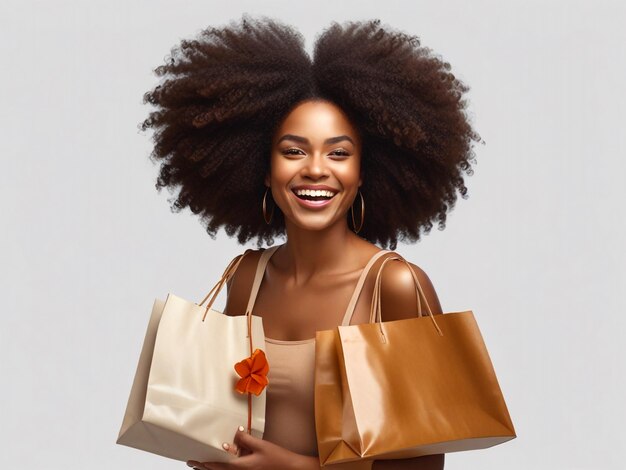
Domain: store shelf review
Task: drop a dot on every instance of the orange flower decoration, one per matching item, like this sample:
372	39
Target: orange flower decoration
253	372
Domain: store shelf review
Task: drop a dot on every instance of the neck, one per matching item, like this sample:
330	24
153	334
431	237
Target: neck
309	253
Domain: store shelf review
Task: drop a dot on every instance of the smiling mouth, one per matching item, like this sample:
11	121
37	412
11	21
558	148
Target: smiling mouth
306	197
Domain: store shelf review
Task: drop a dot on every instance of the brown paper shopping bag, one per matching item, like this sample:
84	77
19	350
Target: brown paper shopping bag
406	388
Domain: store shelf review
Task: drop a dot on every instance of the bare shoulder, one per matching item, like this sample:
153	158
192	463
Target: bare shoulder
240	283
398	291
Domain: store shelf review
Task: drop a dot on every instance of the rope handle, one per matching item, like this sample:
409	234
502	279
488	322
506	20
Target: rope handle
375	309
226	276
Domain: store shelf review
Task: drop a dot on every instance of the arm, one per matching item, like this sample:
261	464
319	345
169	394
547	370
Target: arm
399	302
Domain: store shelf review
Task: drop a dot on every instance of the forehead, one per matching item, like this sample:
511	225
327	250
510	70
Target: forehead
317	120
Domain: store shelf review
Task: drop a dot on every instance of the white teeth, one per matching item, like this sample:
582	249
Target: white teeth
311	192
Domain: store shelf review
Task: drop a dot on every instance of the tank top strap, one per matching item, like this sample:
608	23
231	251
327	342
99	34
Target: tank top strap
359	287
258	277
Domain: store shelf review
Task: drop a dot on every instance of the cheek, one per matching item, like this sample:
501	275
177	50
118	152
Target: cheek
282	170
348	173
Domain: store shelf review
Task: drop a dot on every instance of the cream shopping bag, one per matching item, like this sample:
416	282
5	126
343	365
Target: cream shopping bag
183	403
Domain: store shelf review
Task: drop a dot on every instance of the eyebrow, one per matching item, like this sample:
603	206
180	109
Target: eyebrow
304	140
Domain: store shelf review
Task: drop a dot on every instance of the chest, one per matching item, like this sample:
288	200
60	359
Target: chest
296	313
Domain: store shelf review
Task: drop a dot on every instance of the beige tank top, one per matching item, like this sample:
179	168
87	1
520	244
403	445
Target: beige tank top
290	411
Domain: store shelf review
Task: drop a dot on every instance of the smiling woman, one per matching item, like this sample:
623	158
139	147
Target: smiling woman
363	144
314	178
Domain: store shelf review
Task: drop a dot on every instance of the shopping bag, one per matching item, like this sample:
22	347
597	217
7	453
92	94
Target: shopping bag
406	388
200	375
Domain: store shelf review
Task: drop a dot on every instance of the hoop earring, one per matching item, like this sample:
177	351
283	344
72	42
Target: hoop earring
362	214
264	208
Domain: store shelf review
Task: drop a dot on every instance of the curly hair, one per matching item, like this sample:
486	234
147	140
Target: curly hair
225	92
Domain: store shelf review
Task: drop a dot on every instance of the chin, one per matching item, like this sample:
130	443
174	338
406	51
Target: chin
313	225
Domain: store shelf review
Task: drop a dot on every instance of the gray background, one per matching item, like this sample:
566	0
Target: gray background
536	251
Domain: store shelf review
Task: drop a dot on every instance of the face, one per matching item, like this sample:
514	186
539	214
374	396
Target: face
315	146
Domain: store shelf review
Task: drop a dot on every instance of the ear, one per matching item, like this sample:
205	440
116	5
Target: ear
267	180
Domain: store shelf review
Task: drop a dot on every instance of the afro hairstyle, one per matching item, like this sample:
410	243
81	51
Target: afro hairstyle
223	94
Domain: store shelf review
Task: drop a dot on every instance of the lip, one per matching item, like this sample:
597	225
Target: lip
315	205
314	187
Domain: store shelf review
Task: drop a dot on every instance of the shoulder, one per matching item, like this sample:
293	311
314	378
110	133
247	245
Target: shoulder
239	284
399	292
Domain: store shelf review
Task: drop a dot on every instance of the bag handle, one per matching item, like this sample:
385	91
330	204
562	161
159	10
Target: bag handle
375	309
228	273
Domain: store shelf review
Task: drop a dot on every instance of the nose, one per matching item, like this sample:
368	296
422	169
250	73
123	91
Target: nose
315	166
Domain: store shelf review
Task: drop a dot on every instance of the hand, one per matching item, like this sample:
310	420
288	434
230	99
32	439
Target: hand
253	453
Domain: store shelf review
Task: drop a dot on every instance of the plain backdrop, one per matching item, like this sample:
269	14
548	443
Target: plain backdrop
536	251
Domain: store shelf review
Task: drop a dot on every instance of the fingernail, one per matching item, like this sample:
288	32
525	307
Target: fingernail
225	446
241	428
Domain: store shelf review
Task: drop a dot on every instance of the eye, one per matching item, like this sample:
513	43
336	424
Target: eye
291	151
340	152
294	151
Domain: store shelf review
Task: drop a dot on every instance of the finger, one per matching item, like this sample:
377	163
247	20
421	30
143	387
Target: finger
216	466
246	441
195	465
231	448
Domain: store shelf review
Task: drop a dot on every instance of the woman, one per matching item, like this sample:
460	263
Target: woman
363	144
